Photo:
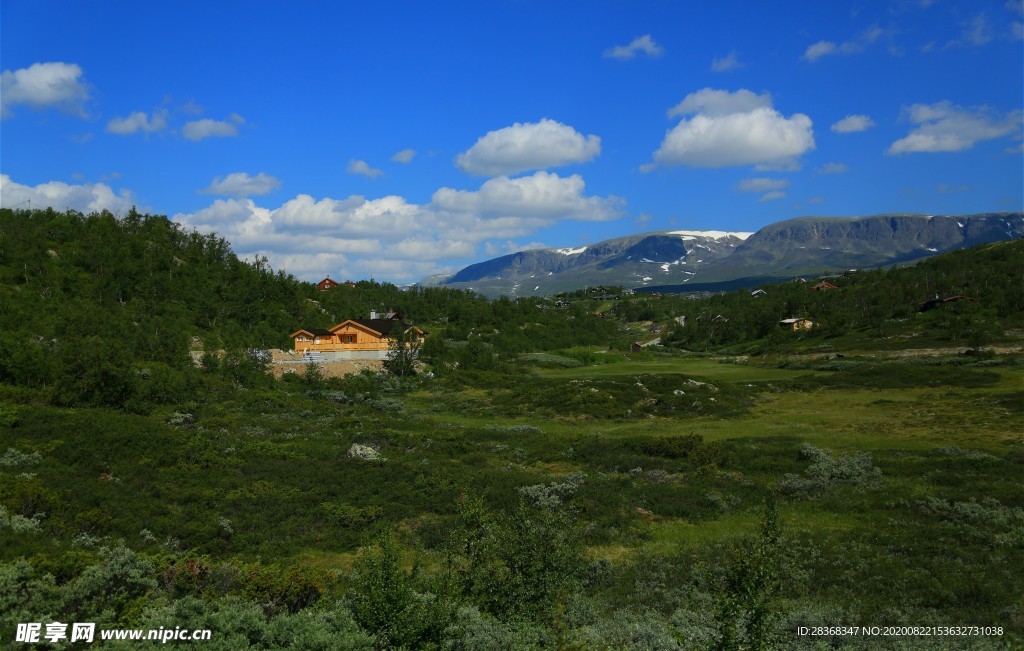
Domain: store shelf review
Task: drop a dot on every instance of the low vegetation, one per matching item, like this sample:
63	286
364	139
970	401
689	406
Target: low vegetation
542	486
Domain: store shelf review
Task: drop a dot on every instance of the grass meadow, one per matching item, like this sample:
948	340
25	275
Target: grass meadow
897	485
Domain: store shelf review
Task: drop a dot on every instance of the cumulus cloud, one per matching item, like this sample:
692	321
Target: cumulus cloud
85	198
543	195
946	127
643	44
773	196
362	168
733	130
393	237
853	46
717	103
240	184
404	157
724	64
42	85
853	124
528	146
197	130
138	121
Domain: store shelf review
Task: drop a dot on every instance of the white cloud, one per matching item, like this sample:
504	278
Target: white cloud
833	168
355	217
85	198
732	130
240	184
138	121
197	130
643	44
392	237
405	156
853	124
946	127
772	188
43	85
761	184
544	195
853	46
528	146
720	102
362	168
724	64
495	249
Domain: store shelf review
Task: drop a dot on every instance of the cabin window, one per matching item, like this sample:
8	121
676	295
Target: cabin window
317	340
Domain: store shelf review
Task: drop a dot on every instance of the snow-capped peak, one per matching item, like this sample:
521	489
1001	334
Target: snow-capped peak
715	235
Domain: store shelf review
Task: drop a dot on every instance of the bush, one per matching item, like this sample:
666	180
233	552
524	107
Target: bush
384	600
94	372
674	447
826	472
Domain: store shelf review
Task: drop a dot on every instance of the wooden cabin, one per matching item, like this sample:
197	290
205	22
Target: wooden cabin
353	335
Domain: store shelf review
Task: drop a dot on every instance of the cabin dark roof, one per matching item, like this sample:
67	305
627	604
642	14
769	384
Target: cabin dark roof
319	332
383	326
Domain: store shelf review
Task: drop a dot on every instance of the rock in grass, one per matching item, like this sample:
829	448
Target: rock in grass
364	452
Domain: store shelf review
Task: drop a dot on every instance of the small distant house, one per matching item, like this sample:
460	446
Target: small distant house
758	292
326	284
637	346
938	302
800	281
823	285
796	324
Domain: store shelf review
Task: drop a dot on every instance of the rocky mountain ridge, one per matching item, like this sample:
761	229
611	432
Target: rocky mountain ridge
800	246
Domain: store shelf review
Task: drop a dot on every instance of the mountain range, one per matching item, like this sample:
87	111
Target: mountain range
679	261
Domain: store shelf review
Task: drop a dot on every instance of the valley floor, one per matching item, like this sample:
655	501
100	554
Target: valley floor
656	502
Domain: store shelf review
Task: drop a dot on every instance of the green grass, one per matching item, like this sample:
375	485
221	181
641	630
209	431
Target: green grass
697	367
275	465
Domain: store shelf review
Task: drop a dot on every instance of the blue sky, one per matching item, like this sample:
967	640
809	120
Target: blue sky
397	140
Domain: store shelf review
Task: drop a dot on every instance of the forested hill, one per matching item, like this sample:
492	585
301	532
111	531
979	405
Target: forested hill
80	290
142	281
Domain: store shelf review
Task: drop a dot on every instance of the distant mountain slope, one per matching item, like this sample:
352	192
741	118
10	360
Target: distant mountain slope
633	260
805	245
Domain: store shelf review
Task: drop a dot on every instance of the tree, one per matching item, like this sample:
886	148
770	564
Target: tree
403	352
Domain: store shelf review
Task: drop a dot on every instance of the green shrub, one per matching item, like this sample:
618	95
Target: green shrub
674	447
827	471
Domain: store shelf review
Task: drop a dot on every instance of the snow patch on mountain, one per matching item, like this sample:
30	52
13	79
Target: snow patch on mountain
715	235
